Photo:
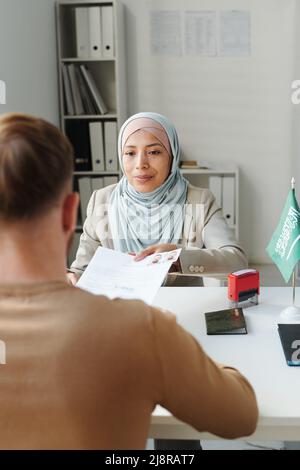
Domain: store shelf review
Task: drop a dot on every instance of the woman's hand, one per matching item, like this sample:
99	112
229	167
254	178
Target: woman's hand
155	249
72	278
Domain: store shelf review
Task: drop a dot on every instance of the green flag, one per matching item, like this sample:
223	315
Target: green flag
284	246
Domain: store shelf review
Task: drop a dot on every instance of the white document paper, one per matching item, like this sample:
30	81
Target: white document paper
166	35
200	33
116	274
235	33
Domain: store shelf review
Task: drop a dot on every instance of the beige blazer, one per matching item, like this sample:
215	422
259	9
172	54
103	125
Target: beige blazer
85	372
209	245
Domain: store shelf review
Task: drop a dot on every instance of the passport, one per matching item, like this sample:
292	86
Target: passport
290	340
230	321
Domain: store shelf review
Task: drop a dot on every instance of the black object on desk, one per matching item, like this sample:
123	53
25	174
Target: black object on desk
230	321
290	339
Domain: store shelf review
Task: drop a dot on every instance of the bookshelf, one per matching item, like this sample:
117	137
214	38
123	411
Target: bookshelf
224	184
92	89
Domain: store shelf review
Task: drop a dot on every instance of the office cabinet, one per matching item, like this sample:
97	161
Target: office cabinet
92	88
92	92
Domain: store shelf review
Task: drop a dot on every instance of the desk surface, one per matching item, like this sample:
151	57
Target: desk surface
258	355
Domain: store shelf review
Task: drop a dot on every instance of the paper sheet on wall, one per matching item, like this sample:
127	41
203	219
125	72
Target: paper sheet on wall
235	33
166	32
200	33
116	274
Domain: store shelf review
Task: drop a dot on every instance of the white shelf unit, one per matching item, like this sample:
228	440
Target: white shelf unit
225	187
109	75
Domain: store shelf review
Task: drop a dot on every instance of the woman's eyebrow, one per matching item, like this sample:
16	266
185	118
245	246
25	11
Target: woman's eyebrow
150	145
154	145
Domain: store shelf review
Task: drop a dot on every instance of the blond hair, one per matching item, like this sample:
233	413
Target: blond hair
36	162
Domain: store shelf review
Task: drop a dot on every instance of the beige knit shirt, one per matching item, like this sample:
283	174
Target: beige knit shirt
85	372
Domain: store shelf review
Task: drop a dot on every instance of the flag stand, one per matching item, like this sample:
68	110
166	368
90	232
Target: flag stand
292	312
284	247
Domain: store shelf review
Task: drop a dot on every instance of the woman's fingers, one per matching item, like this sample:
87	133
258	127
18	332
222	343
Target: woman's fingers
72	278
155	249
143	254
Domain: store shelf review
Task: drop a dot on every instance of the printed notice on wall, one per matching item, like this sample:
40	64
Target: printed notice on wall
166	32
200	33
235	33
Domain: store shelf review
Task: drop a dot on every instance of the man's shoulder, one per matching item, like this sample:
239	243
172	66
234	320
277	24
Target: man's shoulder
121	314
91	304
98	311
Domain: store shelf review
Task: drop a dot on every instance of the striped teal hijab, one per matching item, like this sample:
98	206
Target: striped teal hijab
138	220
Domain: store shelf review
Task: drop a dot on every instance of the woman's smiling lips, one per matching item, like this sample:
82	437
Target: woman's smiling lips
143	178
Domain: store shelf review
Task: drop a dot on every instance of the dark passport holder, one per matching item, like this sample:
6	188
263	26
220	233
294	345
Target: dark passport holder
230	321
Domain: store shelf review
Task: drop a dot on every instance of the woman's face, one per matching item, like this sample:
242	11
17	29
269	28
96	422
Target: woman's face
146	161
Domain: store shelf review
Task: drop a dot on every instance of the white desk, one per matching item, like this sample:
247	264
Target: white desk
258	355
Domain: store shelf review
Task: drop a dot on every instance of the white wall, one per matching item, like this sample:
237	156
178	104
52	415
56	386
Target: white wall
227	109
296	108
28	57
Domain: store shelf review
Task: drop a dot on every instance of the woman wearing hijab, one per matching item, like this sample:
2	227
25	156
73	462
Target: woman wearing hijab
154	209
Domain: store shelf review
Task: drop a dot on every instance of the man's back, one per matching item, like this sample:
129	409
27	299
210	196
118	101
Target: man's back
86	372
79	369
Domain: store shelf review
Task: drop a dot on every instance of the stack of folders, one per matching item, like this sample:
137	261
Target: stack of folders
78	133
223	188
95	145
290	340
88	185
95	32
103	142
81	93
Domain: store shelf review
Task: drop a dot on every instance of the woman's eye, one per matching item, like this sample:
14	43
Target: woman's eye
129	154
154	152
